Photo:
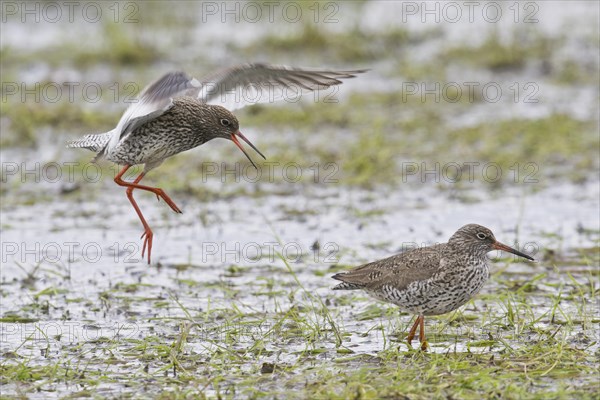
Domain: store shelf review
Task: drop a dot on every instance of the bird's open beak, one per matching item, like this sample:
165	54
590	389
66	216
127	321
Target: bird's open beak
501	246
235	140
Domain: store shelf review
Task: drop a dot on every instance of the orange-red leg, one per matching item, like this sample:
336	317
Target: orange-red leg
422	334
419	323
157	191
413	330
147	235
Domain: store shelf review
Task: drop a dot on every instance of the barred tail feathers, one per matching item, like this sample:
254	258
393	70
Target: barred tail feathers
93	142
347	286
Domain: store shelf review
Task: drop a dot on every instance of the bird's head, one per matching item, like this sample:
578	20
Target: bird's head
481	240
226	126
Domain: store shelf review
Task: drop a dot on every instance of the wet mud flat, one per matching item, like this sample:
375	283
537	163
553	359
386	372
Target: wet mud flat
241	305
237	302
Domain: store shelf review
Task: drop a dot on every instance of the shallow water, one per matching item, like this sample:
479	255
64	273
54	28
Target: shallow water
218	301
227	277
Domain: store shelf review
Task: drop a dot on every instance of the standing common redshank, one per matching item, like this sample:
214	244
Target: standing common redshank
431	280
177	113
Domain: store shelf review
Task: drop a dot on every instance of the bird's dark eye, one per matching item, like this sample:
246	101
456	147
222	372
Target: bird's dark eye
225	122
481	236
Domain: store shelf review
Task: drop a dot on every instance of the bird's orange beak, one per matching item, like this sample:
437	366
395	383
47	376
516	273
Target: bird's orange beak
235	140
502	246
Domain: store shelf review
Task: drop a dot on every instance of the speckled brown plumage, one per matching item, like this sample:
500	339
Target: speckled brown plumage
187	124
177	113
431	280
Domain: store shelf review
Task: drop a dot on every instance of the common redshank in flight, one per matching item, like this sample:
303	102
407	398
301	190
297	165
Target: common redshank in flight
431	280
177	113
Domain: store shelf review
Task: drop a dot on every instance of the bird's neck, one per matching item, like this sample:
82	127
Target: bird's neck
459	253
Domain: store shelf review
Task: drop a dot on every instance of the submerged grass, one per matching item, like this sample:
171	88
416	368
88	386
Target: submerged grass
118	45
353	45
500	55
385	138
370	138
530	335
270	329
26	121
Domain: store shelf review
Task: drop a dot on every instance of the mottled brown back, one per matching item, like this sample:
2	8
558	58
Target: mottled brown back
399	270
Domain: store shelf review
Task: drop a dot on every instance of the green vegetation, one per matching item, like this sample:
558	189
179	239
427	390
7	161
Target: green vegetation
354	45
557	141
27	121
498	55
118	47
370	136
252	336
387	130
316	35
269	327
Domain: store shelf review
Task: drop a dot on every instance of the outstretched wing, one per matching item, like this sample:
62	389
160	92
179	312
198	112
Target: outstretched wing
247	84
155	100
233	88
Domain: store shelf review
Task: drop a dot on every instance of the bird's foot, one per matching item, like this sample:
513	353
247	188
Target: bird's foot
147	236
424	345
161	194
